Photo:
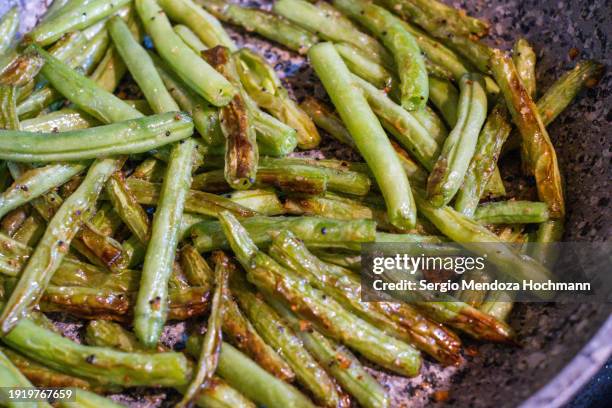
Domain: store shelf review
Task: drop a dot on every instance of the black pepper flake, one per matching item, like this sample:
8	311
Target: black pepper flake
90	359
167	133
324	230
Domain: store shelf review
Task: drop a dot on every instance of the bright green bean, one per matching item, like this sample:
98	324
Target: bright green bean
73	16
511	212
131	136
200	76
367	133
206	26
449	171
36	182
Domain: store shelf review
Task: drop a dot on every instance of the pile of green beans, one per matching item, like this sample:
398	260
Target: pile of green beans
217	198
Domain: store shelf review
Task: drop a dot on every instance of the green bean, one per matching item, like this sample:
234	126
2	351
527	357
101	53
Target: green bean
151	306
84	93
13	220
268	25
346	260
282	338
345	288
206	26
545	250
495	186
196	201
329	315
274	138
586	74
524	58
330	25
315	231
103	333
11	377
263	201
241	152
360	63
338	179
9	23
426	12
401	124
498	304
475	238
73	272
409	62
127	207
432	122
131	136
14	255
86	399
59	121
539	157
55	242
511	212
481	169
190	38
31	231
110	70
367	133
5	176
327	120
91	303
44	377
340	362
141	67
468	319
98	363
289	179
8	113
36	182
211	344
263	85
108	334
54	8
445	98
474	297
334	206
458	149
253	381
200	76
205	116
74	16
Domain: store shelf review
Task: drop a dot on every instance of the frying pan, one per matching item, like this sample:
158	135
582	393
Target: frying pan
561	345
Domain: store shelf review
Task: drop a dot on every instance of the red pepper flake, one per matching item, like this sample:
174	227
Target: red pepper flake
441	395
343	361
304	325
471	351
573	53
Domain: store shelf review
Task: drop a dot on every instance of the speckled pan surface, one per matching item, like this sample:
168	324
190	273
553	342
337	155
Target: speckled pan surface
561	345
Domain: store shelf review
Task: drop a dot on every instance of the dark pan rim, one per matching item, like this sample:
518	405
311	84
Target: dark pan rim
577	373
